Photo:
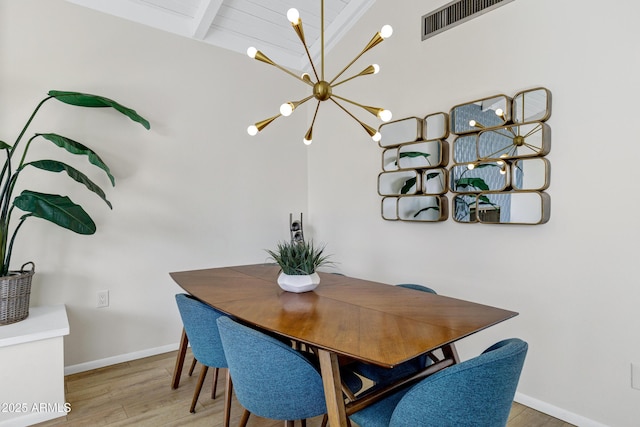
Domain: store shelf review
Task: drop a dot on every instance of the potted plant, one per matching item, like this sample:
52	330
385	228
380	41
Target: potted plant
15	286
298	262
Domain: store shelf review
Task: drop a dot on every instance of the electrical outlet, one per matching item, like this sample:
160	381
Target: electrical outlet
635	376
103	299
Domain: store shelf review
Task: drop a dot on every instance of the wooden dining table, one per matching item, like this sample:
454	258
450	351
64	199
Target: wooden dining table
345	319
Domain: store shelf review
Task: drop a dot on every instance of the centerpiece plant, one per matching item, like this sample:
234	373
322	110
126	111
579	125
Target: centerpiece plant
299	262
55	208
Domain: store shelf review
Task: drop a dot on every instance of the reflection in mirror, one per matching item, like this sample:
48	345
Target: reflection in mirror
526	140
531	174
478	177
423	155
390	208
527	207
481	114
434	181
400	131
398	183
436	126
390	159
465	149
532	105
423	208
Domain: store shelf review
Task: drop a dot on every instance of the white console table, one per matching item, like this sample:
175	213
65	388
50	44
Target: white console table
32	367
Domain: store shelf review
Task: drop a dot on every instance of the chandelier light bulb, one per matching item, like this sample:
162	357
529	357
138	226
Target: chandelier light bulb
500	112
286	109
385	115
386	31
471	166
252	51
252	130
293	16
376	68
307	141
377	137
472	123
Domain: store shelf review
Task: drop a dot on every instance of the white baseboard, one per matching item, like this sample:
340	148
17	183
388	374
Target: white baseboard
101	363
556	412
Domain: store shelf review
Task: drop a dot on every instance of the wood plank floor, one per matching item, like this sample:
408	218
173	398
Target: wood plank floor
138	393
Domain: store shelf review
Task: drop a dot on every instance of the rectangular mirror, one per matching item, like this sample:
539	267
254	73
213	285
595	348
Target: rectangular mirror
398	183
533	105
400	132
436	126
390	159
434	181
524	208
476	178
481	114
389	208
531	174
423	155
423	208
465	148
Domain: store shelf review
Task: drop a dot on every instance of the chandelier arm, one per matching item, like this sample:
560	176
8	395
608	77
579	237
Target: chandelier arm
264	123
302	101
263	58
373	110
365	72
371	131
377	38
300	32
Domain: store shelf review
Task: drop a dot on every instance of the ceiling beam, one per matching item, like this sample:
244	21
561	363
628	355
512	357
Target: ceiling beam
204	18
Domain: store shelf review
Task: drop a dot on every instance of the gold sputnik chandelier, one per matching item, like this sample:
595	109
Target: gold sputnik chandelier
323	90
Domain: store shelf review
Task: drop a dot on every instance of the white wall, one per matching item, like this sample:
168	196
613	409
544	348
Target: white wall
193	192
573	280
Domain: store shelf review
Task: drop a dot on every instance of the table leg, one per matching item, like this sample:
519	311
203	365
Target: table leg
449	351
330	370
182	351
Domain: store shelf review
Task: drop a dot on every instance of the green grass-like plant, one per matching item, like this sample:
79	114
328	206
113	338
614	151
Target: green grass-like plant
299	258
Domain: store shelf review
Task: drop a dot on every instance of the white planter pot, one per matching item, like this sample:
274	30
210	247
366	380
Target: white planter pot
298	283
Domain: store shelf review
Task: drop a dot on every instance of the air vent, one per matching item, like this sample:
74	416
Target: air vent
455	13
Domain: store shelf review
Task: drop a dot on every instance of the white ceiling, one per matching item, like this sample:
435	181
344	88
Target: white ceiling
238	24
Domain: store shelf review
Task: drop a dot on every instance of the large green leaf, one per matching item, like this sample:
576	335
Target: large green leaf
413	154
56	166
407	185
472	182
75	147
58	209
95	101
4	145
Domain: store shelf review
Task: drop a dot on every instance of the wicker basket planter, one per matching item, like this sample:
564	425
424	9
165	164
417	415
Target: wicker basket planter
15	291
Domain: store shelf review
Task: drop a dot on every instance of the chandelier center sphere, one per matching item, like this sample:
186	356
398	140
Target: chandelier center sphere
322	90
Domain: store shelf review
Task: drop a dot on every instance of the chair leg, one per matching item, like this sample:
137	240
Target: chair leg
215	383
196	393
304	423
227	399
244	419
325	420
177	370
193	365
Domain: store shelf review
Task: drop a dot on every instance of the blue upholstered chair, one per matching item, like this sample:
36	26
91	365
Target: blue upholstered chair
477	392
199	322
380	375
271	379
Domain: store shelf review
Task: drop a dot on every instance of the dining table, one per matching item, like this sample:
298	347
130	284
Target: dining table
345	319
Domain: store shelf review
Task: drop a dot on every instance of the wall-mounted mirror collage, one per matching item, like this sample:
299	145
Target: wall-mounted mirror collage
499	170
